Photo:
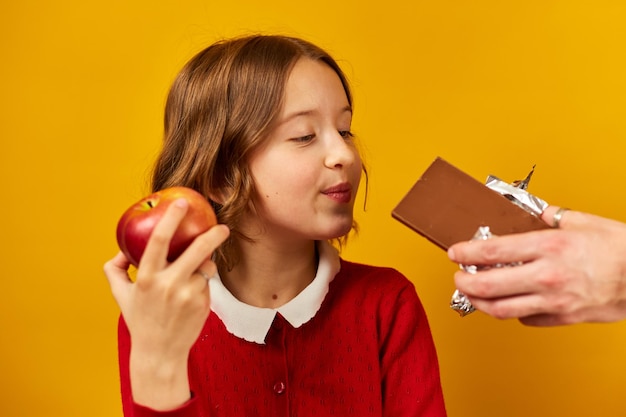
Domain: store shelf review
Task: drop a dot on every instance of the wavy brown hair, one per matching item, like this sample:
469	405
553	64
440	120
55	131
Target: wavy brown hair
219	109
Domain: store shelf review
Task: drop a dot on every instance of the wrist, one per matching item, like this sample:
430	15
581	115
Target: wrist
159	384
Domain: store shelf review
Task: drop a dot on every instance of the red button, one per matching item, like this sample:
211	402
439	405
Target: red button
279	387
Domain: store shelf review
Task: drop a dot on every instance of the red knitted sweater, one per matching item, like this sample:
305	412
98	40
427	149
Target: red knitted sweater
367	352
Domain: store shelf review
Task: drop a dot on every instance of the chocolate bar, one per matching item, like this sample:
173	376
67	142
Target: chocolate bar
447	206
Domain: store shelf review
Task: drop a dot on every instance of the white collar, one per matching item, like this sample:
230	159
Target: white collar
253	323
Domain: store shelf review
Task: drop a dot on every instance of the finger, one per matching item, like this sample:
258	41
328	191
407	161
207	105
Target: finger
200	250
500	282
550	214
205	273
116	271
157	248
207	270
199	281
516	307
519	247
568	218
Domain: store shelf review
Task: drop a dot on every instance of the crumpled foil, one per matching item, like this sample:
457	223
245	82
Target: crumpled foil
460	303
516	192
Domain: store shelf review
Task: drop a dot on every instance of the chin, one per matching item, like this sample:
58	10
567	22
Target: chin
341	231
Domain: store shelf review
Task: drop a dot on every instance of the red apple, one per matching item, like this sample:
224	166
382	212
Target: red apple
136	224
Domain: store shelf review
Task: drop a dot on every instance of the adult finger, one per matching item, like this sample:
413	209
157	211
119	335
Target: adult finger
500	282
519	247
555	216
565	218
515	307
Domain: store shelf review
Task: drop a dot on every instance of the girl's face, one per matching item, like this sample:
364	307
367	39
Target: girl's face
308	170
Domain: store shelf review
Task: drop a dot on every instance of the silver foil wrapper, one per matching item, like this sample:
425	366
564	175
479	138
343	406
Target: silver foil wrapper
460	303
516	192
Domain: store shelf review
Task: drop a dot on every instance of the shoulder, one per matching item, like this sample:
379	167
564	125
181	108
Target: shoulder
381	293
358	271
386	280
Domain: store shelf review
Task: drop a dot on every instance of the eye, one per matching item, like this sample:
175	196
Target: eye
346	134
304	139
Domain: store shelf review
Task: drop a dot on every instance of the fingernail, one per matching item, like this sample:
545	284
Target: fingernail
451	253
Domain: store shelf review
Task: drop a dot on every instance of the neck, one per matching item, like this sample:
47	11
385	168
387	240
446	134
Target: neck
271	275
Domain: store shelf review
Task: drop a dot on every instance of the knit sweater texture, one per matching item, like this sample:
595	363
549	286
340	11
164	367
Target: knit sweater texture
367	352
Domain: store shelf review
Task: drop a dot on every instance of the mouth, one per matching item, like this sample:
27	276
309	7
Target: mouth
341	193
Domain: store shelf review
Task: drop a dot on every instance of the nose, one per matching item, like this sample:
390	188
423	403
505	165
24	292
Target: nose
340	151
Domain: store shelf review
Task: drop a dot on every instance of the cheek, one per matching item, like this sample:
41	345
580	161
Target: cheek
284	180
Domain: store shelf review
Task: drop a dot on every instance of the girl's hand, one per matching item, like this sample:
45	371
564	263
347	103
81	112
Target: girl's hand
165	308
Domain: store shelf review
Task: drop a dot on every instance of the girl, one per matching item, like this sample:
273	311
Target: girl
261	126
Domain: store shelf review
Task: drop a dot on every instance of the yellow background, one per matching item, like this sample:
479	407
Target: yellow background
494	87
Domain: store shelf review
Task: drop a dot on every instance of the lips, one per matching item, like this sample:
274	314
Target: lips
341	193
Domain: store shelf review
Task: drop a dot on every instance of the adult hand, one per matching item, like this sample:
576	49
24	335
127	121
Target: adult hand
573	274
165	308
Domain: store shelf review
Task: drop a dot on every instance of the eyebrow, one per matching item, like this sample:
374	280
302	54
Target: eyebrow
346	109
